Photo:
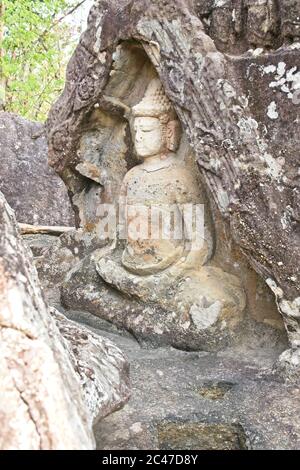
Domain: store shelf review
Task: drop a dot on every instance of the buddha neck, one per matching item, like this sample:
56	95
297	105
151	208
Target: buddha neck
159	160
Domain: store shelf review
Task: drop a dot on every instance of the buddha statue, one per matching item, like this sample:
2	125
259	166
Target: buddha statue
162	249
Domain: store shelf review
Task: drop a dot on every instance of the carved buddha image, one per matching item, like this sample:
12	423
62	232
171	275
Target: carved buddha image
149	267
161	183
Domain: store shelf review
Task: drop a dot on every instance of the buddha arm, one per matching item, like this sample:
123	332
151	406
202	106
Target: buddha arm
196	244
191	205
122	201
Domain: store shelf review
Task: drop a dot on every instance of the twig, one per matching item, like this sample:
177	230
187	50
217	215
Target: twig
50	230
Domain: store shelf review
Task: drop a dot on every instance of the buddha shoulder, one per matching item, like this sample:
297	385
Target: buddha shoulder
132	174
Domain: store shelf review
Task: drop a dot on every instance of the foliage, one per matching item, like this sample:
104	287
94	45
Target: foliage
38	41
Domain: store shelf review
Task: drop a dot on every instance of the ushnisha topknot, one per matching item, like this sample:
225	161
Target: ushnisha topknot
154	103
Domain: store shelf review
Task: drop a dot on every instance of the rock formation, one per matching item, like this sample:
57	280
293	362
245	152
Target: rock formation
164	260
53	387
239	112
102	369
30	186
238	25
290	20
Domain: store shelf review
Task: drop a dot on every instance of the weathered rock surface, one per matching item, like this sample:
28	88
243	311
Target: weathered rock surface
30	186
53	387
100	365
56	260
39	244
240	114
42	405
149	322
238	25
206	401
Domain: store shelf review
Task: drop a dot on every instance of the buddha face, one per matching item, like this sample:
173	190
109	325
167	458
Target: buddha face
148	136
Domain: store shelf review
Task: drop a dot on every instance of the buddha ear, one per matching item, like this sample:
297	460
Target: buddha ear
173	135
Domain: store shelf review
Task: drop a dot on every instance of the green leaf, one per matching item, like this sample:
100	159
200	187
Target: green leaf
36	47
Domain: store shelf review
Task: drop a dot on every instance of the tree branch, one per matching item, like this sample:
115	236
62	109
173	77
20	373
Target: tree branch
68	13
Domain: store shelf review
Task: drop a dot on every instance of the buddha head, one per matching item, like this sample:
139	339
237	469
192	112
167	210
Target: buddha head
156	130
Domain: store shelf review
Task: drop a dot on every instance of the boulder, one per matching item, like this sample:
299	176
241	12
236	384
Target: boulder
102	368
53	388
30	186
